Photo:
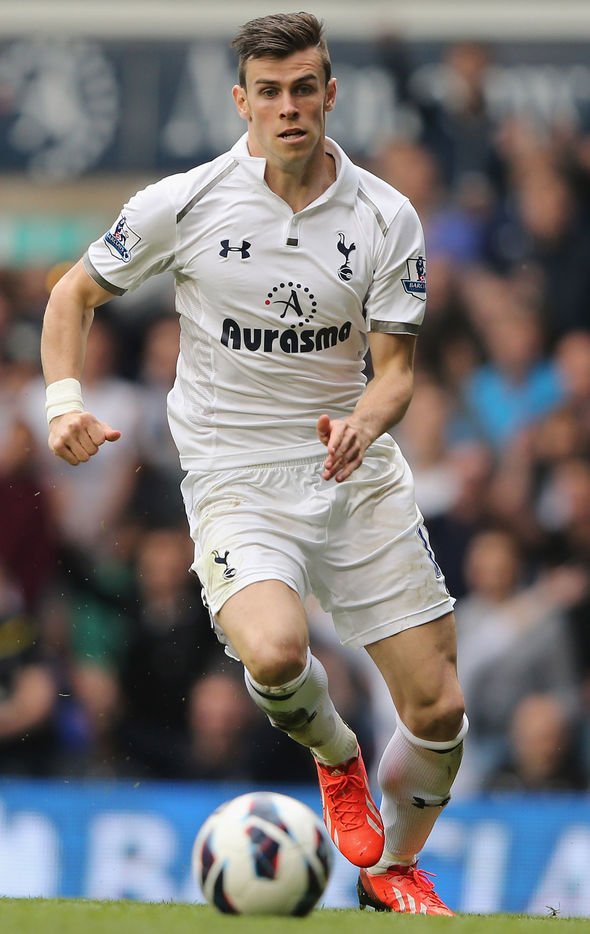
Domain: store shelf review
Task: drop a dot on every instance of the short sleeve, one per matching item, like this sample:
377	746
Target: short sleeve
396	301
141	243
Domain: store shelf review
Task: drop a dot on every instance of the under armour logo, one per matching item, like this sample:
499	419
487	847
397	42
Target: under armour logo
228	572
243	249
345	272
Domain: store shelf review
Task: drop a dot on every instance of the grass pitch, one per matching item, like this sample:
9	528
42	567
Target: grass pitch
75	916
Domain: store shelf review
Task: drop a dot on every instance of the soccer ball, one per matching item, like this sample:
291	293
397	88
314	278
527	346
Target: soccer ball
262	853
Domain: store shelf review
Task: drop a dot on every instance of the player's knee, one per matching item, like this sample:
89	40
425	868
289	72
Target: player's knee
439	721
277	664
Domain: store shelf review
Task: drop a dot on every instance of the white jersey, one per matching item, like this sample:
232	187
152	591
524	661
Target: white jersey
274	306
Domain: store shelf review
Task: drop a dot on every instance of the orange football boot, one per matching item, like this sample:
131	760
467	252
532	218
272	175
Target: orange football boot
350	814
400	888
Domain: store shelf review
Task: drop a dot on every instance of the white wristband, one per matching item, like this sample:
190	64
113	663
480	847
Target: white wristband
65	395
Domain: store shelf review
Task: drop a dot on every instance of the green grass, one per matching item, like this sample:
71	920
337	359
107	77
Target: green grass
76	916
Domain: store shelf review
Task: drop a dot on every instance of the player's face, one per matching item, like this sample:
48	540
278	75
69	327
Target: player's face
285	102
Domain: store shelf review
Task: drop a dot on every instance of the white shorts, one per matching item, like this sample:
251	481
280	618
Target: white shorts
360	546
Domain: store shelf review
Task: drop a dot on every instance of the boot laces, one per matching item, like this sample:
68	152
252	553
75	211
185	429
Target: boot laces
343	792
421	878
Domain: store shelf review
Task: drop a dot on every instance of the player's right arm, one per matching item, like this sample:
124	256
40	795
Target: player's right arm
74	435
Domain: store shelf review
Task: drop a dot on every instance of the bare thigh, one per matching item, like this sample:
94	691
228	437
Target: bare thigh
266	624
419	666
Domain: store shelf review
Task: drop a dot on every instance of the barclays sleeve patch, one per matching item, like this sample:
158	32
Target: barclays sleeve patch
121	240
415	284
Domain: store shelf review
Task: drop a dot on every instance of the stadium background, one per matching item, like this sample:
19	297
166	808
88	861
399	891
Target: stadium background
481	114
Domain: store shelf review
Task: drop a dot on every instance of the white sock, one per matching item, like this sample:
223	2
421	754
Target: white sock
415	776
304	710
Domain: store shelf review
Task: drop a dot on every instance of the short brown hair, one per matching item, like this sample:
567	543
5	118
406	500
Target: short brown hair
279	35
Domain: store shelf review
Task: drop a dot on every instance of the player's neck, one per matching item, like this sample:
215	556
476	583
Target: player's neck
301	185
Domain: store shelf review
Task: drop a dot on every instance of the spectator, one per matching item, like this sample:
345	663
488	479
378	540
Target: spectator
158	498
451	532
542	228
519	384
458	127
94	618
449	350
512	641
27	537
565	510
424	439
452	229
222	727
169	645
572	358
140	641
28	691
542	750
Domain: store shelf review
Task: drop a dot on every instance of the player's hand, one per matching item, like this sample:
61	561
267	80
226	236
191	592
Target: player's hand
346	445
76	436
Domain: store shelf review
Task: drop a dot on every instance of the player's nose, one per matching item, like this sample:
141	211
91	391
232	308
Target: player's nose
288	107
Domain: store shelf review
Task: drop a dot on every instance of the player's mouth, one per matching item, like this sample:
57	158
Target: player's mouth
293	134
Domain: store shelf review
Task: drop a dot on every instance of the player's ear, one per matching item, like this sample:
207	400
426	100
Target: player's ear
241	101
330	98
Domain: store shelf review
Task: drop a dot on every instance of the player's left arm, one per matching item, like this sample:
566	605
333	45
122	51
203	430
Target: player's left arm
382	405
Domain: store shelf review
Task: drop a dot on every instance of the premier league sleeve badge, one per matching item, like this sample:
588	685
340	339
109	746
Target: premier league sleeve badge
415	284
121	239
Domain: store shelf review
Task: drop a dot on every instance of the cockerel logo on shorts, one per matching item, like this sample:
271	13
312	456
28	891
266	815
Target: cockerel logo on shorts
218	558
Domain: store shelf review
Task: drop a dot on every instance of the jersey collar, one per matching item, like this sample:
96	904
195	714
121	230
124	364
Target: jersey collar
344	189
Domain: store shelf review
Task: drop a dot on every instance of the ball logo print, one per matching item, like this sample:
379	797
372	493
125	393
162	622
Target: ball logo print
262	853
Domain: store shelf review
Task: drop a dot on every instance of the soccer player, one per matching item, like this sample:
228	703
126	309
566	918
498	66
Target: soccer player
290	261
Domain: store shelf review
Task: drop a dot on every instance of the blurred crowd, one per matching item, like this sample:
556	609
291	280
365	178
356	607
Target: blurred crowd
108	666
